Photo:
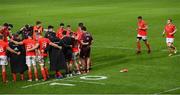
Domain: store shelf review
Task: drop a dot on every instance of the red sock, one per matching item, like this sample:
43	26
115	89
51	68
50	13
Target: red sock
30	75
44	74
14	76
22	76
46	70
36	74
4	76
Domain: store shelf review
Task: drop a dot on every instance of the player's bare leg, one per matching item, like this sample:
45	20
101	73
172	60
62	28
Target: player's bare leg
35	72
138	47
83	65
76	63
77	66
170	49
70	68
148	46
174	48
4	76
88	64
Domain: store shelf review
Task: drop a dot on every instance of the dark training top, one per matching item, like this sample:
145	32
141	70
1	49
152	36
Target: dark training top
17	62
87	37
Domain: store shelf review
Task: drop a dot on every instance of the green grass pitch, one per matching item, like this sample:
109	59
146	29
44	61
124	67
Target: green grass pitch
113	24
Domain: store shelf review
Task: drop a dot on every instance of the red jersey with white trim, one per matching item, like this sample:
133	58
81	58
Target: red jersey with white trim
37	31
3	46
29	44
79	33
5	32
169	28
43	43
142	24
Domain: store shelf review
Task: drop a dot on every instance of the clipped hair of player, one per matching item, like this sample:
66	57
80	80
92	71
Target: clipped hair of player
64	32
170	19
71	33
61	24
10	25
80	24
139	17
50	27
27	26
38	22
83	28
68	25
6	24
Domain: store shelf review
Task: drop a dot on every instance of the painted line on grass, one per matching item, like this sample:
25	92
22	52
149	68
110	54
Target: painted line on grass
88	82
176	55
46	82
61	84
170	90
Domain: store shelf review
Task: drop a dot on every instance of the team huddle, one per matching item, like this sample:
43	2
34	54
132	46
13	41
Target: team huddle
66	51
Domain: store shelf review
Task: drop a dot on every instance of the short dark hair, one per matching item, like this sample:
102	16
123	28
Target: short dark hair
1	37
80	24
50	27
6	24
38	22
170	19
27	25
83	28
139	17
71	33
10	25
61	24
68	25
64	32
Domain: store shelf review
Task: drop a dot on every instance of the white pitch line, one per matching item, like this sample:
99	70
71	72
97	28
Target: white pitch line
27	86
61	84
46	82
89	82
173	89
176	55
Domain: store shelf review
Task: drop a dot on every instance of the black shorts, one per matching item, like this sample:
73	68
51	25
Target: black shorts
68	55
85	52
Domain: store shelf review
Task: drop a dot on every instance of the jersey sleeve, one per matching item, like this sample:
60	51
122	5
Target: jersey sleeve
48	41
24	41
